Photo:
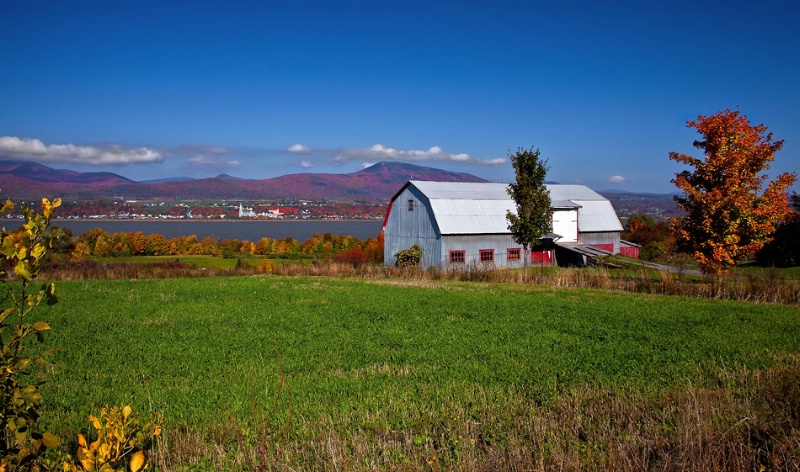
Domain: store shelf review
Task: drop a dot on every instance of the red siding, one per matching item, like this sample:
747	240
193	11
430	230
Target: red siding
605	247
629	251
545	258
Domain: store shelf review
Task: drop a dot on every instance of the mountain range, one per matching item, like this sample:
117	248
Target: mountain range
21	180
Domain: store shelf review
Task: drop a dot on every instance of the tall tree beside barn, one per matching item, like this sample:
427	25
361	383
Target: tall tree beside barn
534	212
727	217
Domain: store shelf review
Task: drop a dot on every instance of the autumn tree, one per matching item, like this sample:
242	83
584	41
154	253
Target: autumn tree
533	218
727	217
655	237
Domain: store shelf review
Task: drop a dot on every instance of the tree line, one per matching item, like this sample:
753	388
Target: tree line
66	247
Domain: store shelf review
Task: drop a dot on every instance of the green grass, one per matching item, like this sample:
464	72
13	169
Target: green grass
209	262
187	347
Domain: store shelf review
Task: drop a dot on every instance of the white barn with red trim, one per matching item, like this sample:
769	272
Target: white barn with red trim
458	223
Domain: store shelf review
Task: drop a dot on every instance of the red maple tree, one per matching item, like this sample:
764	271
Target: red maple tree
727	217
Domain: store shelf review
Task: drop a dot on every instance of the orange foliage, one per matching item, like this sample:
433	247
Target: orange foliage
727	217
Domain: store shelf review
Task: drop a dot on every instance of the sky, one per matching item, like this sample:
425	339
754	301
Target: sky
257	89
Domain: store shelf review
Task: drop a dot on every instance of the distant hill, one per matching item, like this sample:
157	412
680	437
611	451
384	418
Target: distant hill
28	180
166	179
659	205
47	175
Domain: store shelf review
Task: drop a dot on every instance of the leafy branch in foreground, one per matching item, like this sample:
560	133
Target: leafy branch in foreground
22	254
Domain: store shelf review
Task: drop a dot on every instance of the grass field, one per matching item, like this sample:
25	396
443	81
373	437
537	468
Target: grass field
209	262
409	367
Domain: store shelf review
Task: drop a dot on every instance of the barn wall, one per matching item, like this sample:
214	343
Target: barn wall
608	241
472	245
627	248
545	257
404	228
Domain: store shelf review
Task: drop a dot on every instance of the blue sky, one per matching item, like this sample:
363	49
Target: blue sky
153	89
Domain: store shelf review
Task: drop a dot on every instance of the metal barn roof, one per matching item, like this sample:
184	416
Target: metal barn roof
596	216
480	208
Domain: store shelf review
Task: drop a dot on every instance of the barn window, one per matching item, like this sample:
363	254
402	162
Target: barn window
411	205
487	255
514	254
458	257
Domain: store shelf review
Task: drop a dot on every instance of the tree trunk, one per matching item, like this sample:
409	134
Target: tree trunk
527	261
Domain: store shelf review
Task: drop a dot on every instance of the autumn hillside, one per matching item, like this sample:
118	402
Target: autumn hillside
23	180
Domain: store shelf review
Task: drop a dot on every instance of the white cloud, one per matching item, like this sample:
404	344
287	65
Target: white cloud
299	149
616	179
366	165
212	161
306	164
35	149
378	152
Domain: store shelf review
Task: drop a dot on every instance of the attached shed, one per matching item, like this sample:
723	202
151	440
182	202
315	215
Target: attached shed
459	223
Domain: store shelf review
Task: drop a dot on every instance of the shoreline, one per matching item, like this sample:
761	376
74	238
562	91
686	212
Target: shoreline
209	220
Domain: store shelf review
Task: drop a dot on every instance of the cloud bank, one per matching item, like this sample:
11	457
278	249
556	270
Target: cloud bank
26	149
616	179
435	154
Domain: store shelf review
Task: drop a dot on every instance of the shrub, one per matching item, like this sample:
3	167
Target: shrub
409	257
22	255
353	256
121	441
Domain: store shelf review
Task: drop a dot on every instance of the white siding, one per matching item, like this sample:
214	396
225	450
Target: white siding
565	224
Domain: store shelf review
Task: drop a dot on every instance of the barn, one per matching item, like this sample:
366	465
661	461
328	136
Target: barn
459	223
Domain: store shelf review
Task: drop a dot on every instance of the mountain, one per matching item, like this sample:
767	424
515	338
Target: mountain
41	173
166	179
27	180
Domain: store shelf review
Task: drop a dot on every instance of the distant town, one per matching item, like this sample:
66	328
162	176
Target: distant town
659	206
218	210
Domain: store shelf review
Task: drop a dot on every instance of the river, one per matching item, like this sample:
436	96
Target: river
251	230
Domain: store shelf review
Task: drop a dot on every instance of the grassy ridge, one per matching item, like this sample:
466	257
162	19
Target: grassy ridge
382	355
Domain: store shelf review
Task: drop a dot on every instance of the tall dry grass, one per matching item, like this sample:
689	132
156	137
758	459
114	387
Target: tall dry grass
766	287
746	421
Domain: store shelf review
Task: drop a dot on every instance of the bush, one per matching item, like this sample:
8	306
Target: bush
22	256
409	257
353	256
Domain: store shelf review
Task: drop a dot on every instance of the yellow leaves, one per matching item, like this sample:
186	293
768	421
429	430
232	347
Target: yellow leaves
48	207
137	461
96	423
41	326
7	206
23	251
121	438
50	440
21	269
